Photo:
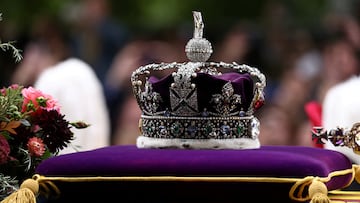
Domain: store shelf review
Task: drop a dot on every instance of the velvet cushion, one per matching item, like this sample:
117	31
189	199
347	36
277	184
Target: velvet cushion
267	161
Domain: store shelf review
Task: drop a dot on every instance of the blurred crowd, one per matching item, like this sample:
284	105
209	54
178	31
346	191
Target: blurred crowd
300	64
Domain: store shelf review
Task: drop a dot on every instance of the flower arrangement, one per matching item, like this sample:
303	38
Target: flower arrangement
32	129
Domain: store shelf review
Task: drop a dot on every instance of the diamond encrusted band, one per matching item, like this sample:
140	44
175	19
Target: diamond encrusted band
199	127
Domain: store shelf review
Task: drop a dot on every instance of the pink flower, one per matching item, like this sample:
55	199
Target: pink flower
36	128
36	147
35	99
4	150
3	91
14	86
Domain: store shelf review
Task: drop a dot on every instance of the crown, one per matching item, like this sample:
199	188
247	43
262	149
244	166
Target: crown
198	104
339	137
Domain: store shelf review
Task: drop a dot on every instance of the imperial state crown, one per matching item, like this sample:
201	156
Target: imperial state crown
200	104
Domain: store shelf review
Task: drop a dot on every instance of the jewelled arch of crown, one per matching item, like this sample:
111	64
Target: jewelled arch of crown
184	119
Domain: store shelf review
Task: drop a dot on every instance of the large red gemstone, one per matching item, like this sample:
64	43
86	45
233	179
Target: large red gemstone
258	104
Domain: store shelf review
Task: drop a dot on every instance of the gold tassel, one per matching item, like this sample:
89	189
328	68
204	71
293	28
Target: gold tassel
318	192
357	173
25	194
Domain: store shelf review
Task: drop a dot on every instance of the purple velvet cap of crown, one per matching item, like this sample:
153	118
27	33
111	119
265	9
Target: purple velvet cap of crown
208	85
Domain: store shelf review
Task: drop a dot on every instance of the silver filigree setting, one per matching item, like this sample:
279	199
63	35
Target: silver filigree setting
226	102
183	93
151	99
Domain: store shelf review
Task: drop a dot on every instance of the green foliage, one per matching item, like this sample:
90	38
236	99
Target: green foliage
9	46
10	105
7	185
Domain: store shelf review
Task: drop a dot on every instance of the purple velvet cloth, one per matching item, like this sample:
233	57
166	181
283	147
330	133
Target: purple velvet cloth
208	85
267	161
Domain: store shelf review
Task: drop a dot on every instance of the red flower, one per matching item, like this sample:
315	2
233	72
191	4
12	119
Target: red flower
55	130
4	150
36	147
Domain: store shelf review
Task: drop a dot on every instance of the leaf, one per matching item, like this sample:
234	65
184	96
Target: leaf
80	124
10	126
25	122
